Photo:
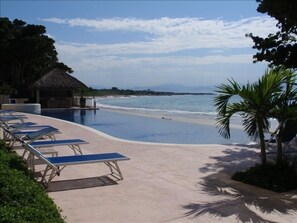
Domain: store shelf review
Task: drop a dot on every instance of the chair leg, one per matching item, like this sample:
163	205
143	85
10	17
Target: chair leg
76	149
115	169
47	181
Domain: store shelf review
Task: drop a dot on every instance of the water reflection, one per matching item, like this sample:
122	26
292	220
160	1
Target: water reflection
65	114
82	117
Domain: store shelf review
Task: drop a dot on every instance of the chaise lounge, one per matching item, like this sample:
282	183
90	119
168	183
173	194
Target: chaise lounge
54	165
74	144
13	136
45	146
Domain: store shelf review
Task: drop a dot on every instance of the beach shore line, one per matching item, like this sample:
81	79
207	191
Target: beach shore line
162	183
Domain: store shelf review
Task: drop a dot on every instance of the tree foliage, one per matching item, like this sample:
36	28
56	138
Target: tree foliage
279	48
26	53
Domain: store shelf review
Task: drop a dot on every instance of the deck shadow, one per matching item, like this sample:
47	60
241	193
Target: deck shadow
82	183
232	198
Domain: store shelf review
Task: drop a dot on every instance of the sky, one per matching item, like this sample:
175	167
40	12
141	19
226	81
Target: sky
132	44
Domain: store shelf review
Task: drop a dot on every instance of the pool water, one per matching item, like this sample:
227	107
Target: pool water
146	129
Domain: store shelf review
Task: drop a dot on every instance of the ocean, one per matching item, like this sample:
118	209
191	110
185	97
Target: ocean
187	104
178	119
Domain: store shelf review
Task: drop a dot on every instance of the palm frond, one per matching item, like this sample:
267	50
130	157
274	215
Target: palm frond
225	93
223	120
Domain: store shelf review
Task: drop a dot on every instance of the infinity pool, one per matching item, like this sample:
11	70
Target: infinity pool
146	129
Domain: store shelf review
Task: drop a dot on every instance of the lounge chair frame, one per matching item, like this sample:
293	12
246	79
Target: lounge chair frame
54	165
73	144
50	173
13	136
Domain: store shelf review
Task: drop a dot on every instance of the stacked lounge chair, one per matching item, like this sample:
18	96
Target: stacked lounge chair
12	135
73	144
37	148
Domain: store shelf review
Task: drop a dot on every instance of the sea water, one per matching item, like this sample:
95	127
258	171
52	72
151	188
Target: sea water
162	127
184	104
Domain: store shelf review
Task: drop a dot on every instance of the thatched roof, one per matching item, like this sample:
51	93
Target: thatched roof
57	79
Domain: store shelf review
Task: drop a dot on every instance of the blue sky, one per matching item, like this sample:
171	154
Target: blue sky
129	44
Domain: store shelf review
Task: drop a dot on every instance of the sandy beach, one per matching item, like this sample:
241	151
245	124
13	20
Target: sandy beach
162	183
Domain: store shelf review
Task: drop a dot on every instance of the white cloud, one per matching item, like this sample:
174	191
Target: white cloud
92	56
166	39
55	20
171	34
169	26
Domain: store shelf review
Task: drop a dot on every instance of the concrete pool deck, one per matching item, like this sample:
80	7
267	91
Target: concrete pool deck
162	183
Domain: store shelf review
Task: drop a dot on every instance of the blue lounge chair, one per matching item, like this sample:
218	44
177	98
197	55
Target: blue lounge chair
74	144
16	126
46	146
6	112
31	136
26	126
13	136
9	118
20	125
54	165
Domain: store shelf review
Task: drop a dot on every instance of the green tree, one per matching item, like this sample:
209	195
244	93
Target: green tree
255	105
279	48
26	53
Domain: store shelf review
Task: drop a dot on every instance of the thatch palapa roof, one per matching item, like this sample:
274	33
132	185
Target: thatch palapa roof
57	79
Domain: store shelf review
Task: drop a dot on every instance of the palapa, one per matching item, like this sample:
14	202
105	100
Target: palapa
55	89
57	79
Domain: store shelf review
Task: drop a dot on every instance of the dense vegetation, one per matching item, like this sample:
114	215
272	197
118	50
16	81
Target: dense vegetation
22	198
26	54
126	92
278	177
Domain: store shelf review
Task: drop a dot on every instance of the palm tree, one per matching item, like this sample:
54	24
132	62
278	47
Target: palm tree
286	111
255	105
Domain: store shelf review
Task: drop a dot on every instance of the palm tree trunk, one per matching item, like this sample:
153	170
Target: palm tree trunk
279	155
263	151
262	145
